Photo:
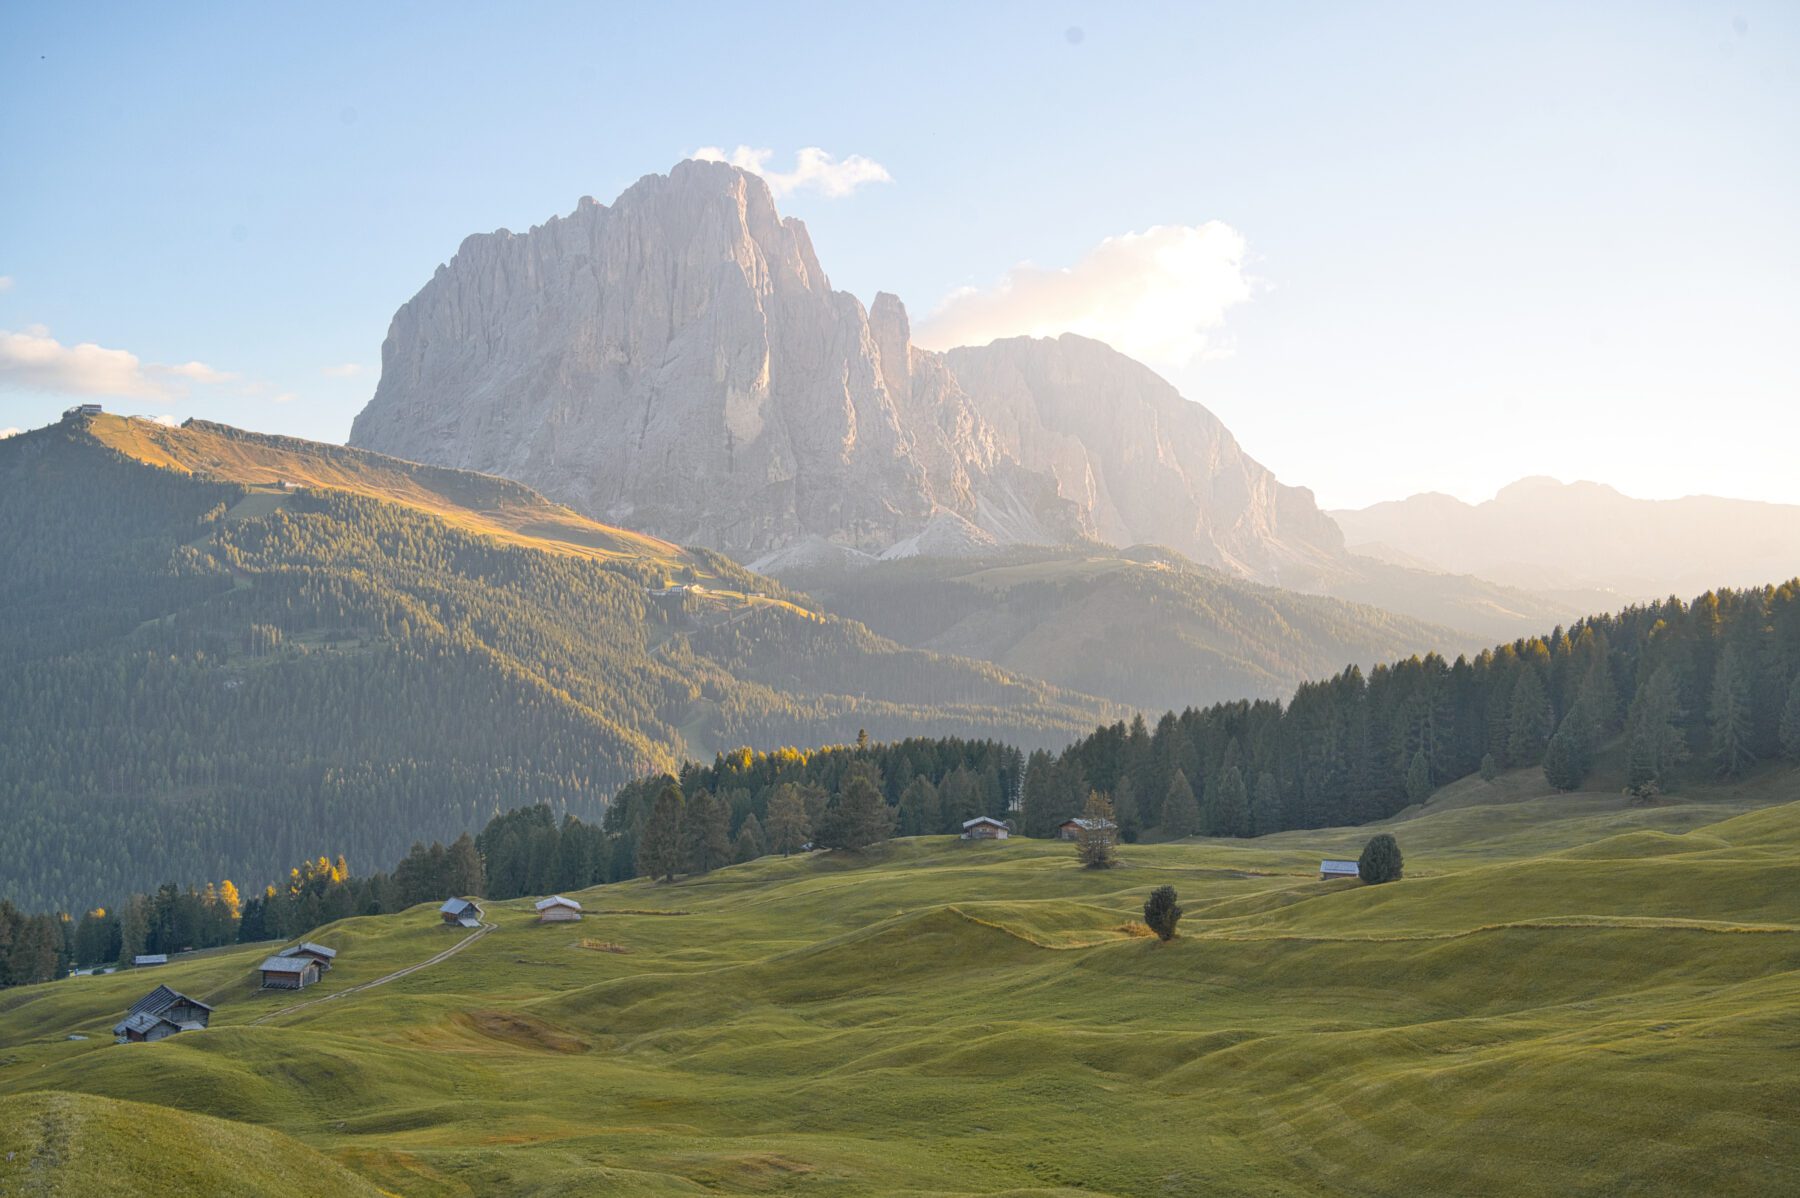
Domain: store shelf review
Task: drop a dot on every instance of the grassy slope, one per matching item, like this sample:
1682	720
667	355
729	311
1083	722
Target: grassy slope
1567	994
1142	626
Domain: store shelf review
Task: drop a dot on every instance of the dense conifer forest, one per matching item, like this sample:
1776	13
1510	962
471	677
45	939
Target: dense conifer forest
201	678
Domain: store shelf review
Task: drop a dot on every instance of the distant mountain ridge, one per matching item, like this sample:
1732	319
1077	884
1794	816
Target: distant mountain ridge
678	363
1547	535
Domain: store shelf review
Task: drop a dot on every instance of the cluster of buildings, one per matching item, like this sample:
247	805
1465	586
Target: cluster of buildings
165	1011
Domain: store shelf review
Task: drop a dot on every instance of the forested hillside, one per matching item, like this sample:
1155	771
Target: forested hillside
1144	626
220	655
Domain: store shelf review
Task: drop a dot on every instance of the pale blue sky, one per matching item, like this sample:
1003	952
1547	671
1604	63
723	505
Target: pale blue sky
1482	241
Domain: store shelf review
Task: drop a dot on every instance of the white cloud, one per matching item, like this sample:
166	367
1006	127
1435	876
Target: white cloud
6	282
1156	295
9	432
347	370
165	420
32	359
814	170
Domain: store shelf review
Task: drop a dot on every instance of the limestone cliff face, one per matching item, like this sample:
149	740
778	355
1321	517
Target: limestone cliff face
678	363
1145	464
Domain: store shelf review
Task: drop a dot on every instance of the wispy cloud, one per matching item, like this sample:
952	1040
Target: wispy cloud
165	420
9	432
31	359
6	282
345	371
1158	296
814	170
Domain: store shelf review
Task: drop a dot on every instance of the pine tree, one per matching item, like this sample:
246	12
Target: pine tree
1655	743
462	867
750	843
1162	912
1528	723
1569	756
1181	813
1490	769
1790	722
1730	717
1380	860
860	817
1099	834
1041	796
1418	779
659	853
920	813
789	826
1125	809
1265	808
1229	803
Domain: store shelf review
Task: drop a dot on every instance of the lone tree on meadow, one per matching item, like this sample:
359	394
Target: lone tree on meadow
1380	860
1162	912
1098	834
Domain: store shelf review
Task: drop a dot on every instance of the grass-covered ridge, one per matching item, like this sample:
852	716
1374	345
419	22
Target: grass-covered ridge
1567	994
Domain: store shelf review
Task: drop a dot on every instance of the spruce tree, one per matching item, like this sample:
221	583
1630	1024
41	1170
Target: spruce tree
750	844
789	825
659	853
1490	769
1528	723
1041	796
1265	808
919	811
1380	860
1099	834
1229	804
1181	813
1418	779
1569	757
1655	744
1790	722
1162	912
1125	810
1730	717
860	817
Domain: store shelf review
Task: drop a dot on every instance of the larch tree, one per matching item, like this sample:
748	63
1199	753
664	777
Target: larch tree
1096	842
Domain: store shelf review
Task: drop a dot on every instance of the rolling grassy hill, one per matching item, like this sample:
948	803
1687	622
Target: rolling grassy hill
1143	626
205	672
1567	994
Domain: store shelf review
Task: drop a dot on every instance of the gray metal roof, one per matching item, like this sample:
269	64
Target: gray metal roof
161	999
151	959
1332	865
140	1023
288	965
456	906
984	819
318	950
556	900
469	921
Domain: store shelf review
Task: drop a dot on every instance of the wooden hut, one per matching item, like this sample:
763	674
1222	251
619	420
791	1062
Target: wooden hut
557	909
1332	868
160	1014
984	827
317	952
1071	829
461	913
289	973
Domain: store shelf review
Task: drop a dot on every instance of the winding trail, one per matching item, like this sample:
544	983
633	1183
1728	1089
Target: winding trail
465	942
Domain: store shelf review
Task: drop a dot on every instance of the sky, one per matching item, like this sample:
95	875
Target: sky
1395	247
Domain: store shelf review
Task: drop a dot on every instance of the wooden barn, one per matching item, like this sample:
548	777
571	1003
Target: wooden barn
557	909
984	827
461	913
143	959
160	1014
1330	868
289	973
317	952
1071	829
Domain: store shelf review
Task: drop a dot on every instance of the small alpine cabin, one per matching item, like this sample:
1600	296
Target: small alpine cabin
289	973
160	1014
557	909
1071	829
461	913
984	827
143	959
317	952
1329	869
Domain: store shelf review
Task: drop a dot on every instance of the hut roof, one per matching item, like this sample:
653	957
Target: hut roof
310	949
1089	824
1332	865
288	965
557	900
984	819
151	959
161	999
456	906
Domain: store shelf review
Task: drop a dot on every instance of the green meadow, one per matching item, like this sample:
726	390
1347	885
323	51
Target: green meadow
1567	994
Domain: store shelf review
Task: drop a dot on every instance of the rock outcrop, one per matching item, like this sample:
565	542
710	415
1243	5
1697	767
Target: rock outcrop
678	363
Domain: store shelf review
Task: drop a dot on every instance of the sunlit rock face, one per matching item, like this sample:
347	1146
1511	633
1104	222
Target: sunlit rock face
678	363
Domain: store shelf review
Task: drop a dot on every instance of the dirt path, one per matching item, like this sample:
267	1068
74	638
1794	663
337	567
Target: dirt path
465	942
